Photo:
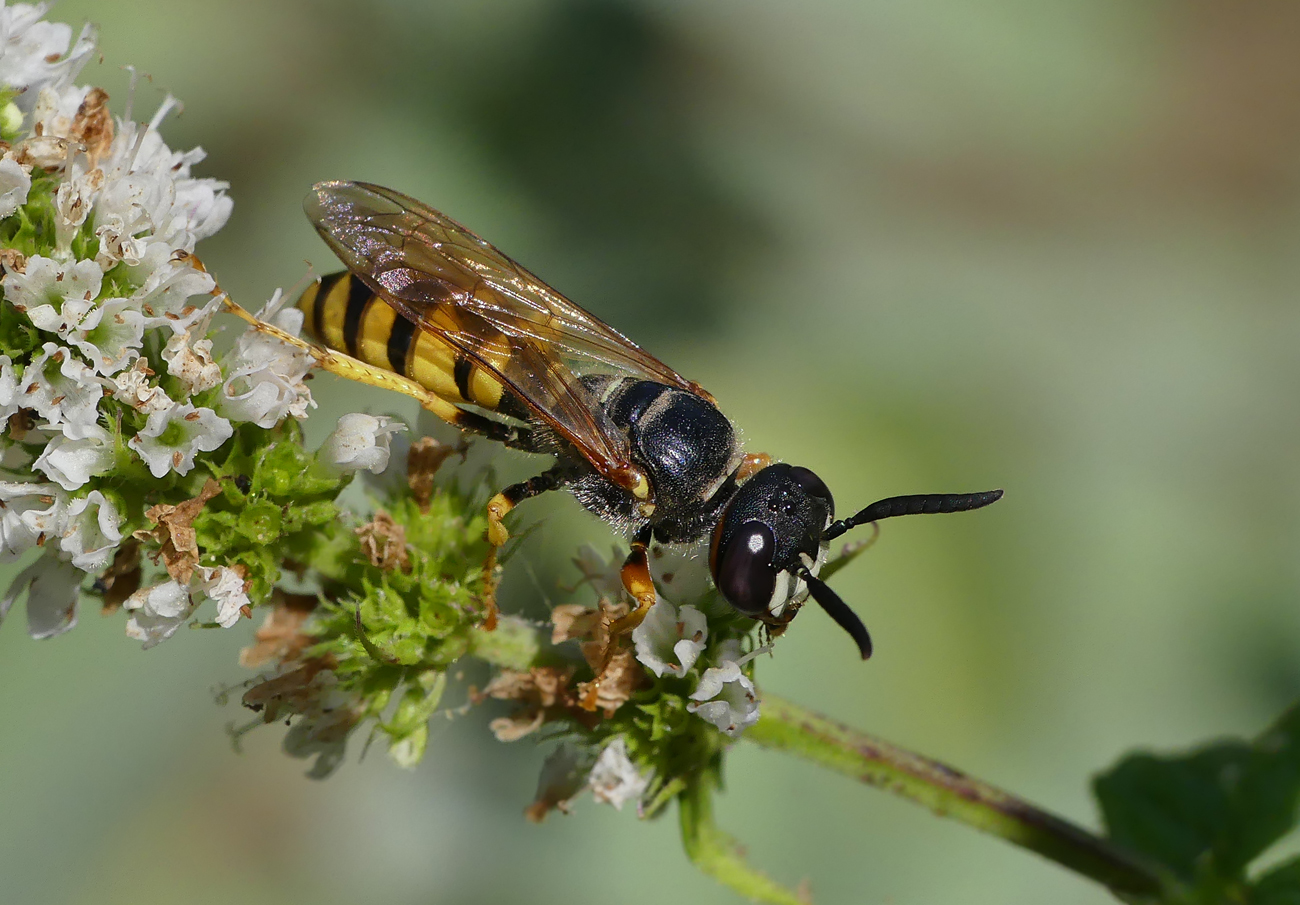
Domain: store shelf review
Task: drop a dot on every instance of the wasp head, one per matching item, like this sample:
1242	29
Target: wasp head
774	534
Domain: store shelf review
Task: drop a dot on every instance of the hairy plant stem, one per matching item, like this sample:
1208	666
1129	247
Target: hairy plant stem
717	854
788	727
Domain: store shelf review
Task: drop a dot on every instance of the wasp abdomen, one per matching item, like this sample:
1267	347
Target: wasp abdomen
341	312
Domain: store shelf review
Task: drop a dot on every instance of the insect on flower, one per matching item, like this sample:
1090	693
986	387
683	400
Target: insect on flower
429	309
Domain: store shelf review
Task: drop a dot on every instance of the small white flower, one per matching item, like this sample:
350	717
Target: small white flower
29	513
55	297
133	388
148	189
117	244
74	462
192	364
167	280
35	53
74	200
56	108
170	438
359	441
70	315
224	586
110	335
615	779
15	183
205	204
264	376
130	201
52	588
92	533
157	612
63	390
669	640
724	696
8	389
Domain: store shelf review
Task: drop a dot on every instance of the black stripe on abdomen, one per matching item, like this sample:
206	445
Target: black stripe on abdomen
359	296
327	284
399	343
463	370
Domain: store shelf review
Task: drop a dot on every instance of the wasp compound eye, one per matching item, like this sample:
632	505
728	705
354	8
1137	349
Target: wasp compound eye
744	572
811	484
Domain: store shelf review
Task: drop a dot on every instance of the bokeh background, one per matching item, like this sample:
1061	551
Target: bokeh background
930	246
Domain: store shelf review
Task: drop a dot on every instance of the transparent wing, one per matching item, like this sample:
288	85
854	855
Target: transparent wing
448	281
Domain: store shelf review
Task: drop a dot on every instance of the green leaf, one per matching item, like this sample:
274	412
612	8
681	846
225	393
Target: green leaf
1207	814
1280	886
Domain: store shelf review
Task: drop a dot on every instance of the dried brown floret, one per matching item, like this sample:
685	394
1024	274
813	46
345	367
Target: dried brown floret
93	125
546	692
13	260
519	724
622	676
384	543
618	672
174	532
423	460
280	636
572	620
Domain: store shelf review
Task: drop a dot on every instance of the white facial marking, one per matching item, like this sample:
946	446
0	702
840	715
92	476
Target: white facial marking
780	594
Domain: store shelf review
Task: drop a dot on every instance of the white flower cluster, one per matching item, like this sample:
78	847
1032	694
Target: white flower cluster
115	279
671	641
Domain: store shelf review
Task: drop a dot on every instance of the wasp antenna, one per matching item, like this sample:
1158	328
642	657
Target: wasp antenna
916	504
838	610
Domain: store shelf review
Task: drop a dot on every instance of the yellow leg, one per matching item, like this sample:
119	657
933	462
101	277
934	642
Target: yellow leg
638	582
497	535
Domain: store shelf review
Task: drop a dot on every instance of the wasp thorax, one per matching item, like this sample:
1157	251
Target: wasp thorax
772	527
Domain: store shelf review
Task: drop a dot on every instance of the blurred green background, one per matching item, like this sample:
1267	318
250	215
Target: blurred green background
916	247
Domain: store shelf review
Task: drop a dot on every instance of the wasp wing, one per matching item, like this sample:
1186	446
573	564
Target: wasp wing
448	281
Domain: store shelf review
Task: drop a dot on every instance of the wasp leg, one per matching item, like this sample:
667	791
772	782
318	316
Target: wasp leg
637	582
497	509
752	463
515	436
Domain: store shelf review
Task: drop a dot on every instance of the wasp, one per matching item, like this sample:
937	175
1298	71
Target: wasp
428	308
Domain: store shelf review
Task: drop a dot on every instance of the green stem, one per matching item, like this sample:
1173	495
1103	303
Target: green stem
717	854
950	793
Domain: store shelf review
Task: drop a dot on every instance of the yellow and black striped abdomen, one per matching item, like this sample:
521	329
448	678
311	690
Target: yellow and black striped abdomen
340	311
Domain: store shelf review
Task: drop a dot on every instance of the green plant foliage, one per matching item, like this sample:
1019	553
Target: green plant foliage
287	510
392	633
1206	815
1280	886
